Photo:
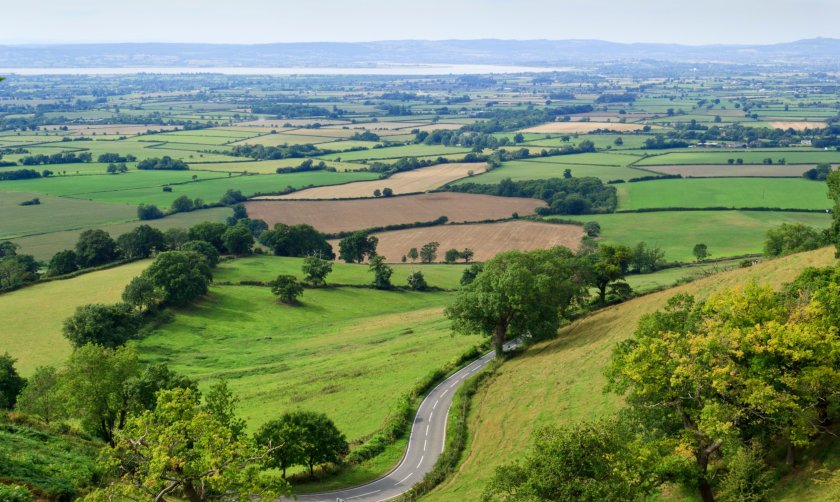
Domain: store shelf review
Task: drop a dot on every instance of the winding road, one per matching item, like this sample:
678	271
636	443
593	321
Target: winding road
428	436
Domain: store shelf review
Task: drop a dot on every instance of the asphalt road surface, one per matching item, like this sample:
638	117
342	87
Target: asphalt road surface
428	436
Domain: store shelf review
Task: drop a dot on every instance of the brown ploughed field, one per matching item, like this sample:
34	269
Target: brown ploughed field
332	216
485	239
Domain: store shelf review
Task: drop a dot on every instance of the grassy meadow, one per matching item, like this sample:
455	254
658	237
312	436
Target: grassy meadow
726	233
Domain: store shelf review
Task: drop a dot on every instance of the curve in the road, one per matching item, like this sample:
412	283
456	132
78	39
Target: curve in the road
425	444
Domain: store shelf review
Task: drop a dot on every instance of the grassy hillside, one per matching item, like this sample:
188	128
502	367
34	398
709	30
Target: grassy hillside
53	466
561	381
347	352
32	317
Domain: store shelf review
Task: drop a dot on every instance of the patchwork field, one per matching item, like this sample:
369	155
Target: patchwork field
797	126
732	192
725	170
32	317
536	169
418	180
805	156
578	127
332	216
726	233
348	352
561	381
486	240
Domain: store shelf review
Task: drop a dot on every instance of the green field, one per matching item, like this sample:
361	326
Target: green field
561	381
44	245
395	152
145	187
55	214
32	317
348	352
554	167
750	157
785	193
264	268
727	233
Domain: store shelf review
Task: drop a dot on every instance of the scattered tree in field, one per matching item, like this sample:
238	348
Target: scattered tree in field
209	232
203	248
588	461
95	247
180	450
287	289
377	193
413	255
41	396
62	263
467	254
646	259
471	273
183	276
323	443
106	325
518	137
519	293
315	270
451	255
238	240
592	228
11	383
417	282
609	264
221	403
101	404
286	437
356	247
182	204
387	192
792	238
8	249
141	242
149	212
297	240
381	272
700	251
141	294
428	253
818	173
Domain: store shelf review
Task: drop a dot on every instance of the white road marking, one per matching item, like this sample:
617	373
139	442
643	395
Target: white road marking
431	415
403	479
424	444
444	393
427	429
364	494
436	402
419	463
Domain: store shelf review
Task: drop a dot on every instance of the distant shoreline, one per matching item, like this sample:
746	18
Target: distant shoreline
394	69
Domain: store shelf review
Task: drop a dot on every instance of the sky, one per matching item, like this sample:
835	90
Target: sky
269	21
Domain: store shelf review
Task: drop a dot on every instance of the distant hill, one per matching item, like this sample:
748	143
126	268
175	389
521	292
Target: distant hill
327	54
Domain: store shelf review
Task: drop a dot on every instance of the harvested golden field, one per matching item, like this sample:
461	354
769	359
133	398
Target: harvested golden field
332	216
485	239
276	123
560	381
718	170
418	180
797	125
578	127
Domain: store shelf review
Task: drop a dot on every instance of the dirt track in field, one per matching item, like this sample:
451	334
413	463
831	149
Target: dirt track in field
751	170
332	216
418	180
486	240
576	127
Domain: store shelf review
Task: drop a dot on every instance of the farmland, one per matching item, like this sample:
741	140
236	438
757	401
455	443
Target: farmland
418	180
333	216
486	240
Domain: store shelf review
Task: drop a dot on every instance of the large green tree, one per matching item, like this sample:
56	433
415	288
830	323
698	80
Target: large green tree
95	247
106	325
41	397
520	293
315	270
11	383
355	248
141	242
297	240
180	451
183	276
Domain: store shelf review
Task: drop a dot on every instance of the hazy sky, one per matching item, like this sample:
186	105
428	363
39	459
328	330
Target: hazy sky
265	21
